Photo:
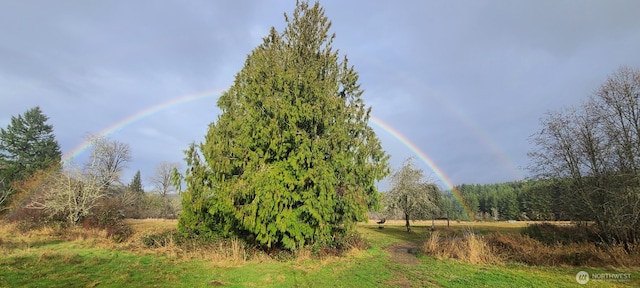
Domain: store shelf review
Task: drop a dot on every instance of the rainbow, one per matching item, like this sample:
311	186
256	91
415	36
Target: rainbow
426	159
463	118
200	95
137	116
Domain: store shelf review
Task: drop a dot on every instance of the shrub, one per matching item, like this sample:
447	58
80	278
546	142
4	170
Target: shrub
109	216
27	219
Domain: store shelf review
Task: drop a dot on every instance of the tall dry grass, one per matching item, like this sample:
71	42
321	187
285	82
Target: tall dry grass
468	247
13	239
514	247
524	249
155	236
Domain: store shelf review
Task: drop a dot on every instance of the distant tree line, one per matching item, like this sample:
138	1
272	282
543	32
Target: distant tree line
518	200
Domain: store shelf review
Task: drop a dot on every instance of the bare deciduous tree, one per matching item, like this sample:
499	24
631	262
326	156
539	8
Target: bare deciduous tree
411	195
76	191
110	159
595	150
162	181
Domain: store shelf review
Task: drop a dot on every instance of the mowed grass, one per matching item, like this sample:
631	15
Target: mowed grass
41	260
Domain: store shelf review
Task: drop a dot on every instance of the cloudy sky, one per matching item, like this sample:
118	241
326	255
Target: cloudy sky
465	81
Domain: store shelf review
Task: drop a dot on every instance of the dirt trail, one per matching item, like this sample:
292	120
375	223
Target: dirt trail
404	253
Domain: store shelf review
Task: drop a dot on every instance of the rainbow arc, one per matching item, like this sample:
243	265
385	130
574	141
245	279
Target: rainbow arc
119	125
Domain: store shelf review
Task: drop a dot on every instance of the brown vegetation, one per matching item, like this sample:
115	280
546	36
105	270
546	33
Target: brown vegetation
468	247
159	236
553	246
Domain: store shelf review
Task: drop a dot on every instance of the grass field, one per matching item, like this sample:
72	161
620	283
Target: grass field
42	259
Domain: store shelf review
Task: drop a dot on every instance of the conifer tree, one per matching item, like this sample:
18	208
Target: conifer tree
136	183
291	160
27	145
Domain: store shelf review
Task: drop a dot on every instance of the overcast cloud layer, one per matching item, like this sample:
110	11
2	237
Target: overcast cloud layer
465	81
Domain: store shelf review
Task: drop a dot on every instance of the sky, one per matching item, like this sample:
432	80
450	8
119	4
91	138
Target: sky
466	82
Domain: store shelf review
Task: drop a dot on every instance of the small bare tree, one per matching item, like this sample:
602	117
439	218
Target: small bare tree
162	181
76	191
411	195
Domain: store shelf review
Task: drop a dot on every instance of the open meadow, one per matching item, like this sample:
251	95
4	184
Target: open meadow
89	258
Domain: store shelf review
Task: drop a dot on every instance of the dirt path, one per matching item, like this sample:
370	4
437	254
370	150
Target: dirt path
404	253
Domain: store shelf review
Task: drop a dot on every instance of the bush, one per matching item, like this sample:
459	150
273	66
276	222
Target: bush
33	219
108	215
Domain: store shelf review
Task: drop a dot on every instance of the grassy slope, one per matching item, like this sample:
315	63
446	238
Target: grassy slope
49	263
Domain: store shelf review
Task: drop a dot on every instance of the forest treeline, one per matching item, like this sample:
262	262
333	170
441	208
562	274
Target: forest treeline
537	200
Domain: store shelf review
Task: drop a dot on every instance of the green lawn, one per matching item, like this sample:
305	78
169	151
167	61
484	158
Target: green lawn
81	264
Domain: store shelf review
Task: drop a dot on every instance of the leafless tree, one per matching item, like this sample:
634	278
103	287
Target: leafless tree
163	183
595	150
76	191
129	197
411	194
110	159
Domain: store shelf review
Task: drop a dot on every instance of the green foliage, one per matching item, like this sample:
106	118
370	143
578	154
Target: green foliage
451	208
136	183
27	145
291	160
135	194
500	201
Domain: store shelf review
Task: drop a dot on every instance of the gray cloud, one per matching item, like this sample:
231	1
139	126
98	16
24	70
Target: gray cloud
465	81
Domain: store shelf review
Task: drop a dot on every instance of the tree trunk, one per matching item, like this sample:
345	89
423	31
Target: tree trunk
433	222
406	218
447	219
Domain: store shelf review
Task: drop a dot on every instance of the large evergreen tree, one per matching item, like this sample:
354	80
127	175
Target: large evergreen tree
27	145
291	160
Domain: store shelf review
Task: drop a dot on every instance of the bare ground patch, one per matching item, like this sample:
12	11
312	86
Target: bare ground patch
404	253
